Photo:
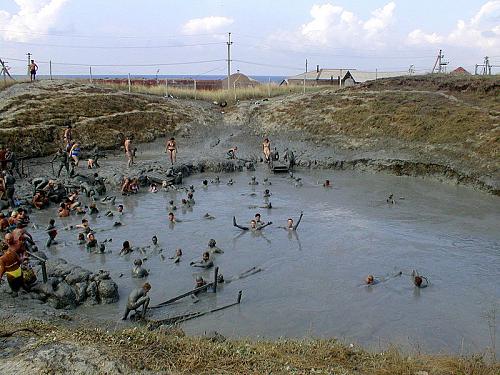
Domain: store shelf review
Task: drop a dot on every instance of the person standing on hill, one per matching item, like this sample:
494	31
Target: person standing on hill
33	69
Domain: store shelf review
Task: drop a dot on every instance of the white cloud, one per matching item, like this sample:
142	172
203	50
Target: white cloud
335	26
206	24
34	17
481	31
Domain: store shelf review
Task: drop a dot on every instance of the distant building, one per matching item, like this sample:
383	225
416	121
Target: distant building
337	77
460	70
239	80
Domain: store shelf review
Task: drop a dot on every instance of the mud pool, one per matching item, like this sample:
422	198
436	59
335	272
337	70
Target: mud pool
311	281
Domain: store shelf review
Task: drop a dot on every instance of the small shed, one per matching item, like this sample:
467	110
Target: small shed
239	80
460	70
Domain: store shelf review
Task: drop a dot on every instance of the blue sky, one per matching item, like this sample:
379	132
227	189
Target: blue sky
270	37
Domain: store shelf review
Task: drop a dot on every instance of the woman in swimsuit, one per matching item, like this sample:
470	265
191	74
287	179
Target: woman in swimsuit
172	150
75	153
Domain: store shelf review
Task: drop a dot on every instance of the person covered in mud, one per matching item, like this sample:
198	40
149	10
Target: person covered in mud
172	219
52	232
68	133
92	245
177	257
126	249
418	280
137	298
290	225
4	222
253	181
14	164
231	153
93	210
171	148
81	239
190	199
10	264
171	206
213	248
205	261
327	184
10	188
266	149
63	162
267	193
139	271
253	225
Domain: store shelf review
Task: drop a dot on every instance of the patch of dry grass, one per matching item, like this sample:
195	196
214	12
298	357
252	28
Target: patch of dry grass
230	96
171	350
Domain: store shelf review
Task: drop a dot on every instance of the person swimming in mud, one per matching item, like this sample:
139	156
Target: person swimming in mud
126	249
290	224
327	184
370	280
139	271
267	193
213	248
190	199
253	225
171	149
172	219
418	280
137	298
81	239
177	257
253	181
205	261
171	206
91	243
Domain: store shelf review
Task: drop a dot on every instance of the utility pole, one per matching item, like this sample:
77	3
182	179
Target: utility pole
486	67
5	70
229	61
305	74
29	62
440	63
50	69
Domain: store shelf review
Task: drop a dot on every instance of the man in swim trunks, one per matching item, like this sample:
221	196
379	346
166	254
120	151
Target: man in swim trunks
172	150
137	298
33	70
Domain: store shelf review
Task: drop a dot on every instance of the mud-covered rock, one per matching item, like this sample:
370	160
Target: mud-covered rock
108	291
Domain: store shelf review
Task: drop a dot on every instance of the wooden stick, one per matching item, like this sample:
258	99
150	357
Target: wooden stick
216	274
196	290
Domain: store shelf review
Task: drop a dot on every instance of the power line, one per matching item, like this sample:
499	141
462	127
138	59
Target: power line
118	47
268	65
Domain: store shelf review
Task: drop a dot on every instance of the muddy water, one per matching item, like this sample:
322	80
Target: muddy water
310	283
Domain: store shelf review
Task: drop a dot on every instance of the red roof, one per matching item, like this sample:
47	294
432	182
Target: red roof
460	70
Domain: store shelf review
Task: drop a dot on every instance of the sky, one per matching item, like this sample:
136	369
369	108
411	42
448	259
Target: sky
269	37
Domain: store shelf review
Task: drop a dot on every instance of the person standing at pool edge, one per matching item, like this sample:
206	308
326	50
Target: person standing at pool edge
137	298
129	151
172	150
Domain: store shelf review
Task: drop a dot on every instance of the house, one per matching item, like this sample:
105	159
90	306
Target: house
318	77
460	70
238	80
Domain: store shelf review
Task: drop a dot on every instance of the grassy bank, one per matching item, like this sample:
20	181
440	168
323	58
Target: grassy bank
170	350
230	96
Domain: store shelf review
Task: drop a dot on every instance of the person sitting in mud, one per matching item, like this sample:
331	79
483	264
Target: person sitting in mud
198	284
171	206
125	189
171	149
213	248
253	225
10	264
136	299
40	200
205	262
418	280
72	200
134	186
327	184
231	153
205	183
126	249
92	245
4	222
81	239
253	181
266	149
290	225
139	271
52	232
190	199
93	210
177	256
63	210
63	162
267	193
153	188
57	193
29	275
